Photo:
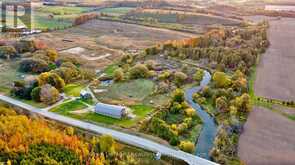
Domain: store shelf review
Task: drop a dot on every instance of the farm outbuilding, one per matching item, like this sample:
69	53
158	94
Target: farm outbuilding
85	95
113	111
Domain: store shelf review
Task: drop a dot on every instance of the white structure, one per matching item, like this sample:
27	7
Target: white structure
85	94
113	111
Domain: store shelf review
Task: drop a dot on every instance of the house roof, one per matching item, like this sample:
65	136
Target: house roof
110	110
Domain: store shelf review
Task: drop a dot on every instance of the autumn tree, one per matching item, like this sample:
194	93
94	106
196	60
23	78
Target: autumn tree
35	94
187	146
49	94
7	52
180	78
198	76
178	96
33	65
139	71
107	144
52	54
221	80
51	78
118	75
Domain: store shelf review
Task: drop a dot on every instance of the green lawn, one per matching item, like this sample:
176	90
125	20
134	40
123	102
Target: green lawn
109	70
251	81
133	91
208	107
42	21
63	10
73	89
67	108
139	110
116	11
157	100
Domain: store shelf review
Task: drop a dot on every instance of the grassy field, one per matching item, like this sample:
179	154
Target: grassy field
109	70
63	17
66	109
62	10
134	90
73	89
166	16
116	11
8	74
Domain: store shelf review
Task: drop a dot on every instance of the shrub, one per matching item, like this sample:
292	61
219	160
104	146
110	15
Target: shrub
22	90
139	71
190	112
178	96
187	146
179	78
150	64
118	75
7	52
49	94
52	54
221	80
48	154
176	108
33	65
24	46
165	75
52	79
35	94
198	76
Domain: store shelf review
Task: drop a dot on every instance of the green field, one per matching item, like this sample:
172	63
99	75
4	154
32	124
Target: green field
73	89
66	109
109	70
51	17
8	74
133	90
62	10
116	11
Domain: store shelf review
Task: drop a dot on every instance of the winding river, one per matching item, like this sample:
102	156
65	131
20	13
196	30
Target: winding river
209	130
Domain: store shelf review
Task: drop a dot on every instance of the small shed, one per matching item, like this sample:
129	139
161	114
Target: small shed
85	95
113	111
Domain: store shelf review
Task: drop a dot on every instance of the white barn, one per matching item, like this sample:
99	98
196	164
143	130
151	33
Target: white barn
113	111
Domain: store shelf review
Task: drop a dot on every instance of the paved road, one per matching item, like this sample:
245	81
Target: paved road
123	137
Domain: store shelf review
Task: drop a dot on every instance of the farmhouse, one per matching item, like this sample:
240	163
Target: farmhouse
113	111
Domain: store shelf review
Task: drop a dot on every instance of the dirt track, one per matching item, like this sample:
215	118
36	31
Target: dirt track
275	77
268	139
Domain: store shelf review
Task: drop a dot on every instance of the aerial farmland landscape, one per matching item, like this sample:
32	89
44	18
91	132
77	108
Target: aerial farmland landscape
147	82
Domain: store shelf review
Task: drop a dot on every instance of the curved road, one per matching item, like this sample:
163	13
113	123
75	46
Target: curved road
120	136
209	130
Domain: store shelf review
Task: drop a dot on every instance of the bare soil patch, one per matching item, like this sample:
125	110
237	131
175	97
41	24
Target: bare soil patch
268	139
124	36
100	43
274	73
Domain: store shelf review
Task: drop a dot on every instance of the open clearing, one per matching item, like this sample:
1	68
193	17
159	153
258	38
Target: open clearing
268	139
118	35
99	43
274	73
134	91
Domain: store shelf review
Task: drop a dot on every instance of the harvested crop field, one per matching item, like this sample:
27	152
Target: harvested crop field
99	43
180	17
268	139
118	35
275	72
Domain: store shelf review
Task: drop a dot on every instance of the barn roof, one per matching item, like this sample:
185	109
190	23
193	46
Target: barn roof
109	110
